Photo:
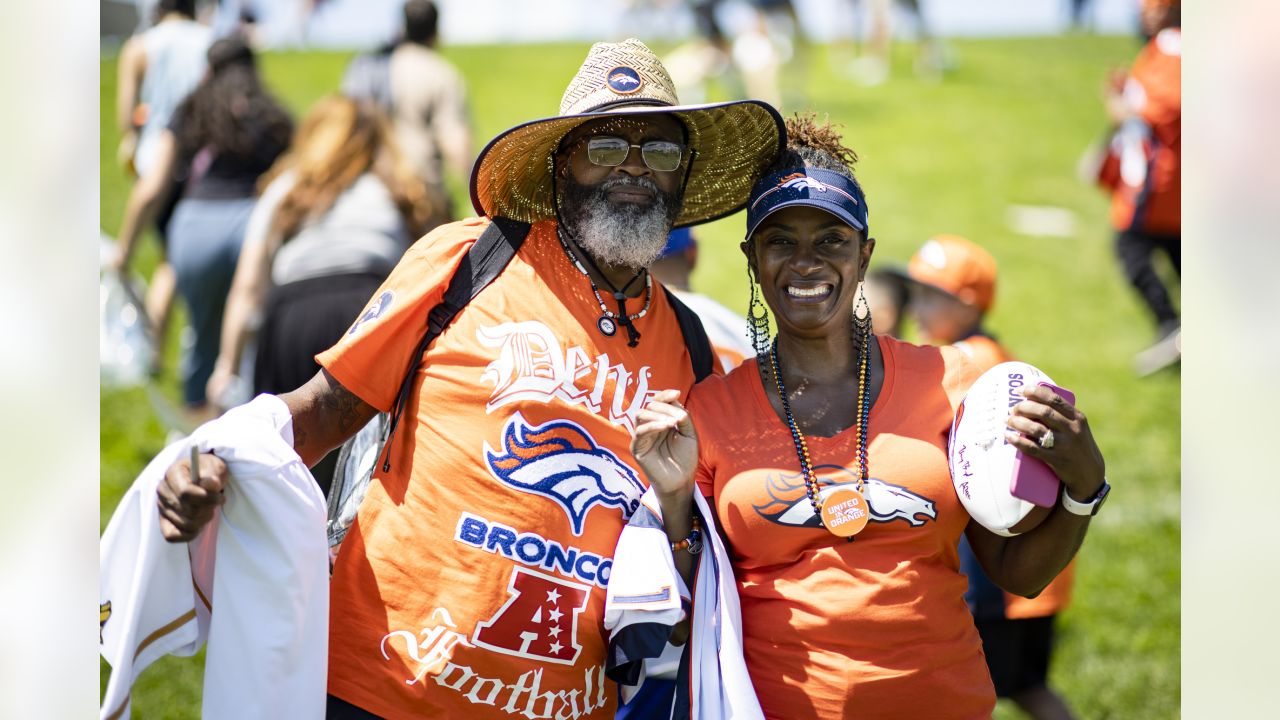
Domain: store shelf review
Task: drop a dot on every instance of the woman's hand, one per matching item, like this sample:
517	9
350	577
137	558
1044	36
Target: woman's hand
223	377
665	445
1047	427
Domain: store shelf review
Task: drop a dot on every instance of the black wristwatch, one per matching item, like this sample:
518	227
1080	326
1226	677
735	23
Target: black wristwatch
1089	507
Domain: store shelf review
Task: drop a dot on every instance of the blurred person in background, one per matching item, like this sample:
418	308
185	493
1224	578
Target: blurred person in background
337	212
1079	11
424	95
873	66
887	295
221	139
751	61
157	69
726	330
952	284
1142	169
708	55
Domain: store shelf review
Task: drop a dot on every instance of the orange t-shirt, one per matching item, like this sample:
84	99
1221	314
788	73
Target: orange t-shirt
472	583
986	353
875	628
1154	89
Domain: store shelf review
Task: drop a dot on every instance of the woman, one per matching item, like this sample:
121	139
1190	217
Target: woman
829	417
222	139
337	212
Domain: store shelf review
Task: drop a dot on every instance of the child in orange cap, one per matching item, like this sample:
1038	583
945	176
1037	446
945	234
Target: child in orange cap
952	286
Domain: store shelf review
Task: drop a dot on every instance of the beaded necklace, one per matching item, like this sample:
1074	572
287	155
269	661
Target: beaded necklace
844	512
609	320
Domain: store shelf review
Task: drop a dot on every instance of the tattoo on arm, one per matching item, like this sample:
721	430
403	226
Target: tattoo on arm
343	406
325	414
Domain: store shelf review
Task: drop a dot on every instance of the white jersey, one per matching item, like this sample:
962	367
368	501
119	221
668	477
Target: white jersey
262	565
645	589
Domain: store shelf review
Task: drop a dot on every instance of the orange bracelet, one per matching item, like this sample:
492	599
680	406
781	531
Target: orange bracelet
693	543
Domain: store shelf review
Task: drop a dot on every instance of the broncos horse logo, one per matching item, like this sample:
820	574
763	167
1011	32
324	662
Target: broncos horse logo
797	181
623	80
560	461
374	311
789	505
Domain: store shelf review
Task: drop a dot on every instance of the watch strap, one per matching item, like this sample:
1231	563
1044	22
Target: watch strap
1089	508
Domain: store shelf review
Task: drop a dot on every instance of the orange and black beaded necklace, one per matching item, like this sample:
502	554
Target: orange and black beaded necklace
843	512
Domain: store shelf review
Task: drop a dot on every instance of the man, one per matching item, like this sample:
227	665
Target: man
473	579
424	96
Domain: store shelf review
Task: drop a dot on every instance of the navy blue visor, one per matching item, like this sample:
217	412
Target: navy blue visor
823	189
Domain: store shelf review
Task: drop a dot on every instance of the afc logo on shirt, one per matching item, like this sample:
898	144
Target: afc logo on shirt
538	621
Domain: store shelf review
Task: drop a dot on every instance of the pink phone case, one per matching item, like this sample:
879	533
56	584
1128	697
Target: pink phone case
1033	480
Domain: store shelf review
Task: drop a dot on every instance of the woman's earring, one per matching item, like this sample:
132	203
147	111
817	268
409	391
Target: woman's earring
862	315
757	318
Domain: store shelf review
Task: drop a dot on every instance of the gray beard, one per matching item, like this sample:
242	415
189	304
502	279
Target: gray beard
619	235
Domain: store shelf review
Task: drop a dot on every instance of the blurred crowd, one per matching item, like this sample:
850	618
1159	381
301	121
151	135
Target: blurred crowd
275	233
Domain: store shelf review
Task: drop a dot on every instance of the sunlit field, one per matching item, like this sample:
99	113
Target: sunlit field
1005	127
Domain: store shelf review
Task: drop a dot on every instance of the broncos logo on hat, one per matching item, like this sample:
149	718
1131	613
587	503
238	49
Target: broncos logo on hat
800	180
624	80
559	460
789	504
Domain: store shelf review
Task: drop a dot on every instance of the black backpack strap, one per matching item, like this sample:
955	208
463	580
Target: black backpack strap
701	356
485	260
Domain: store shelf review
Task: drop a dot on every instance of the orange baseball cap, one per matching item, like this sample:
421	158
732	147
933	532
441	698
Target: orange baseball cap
958	267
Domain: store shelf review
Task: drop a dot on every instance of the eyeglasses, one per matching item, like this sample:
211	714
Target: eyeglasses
659	155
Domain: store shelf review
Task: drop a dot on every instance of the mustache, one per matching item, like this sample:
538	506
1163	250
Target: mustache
642	182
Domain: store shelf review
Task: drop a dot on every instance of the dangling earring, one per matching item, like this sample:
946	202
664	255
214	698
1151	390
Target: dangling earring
758	325
862	319
757	318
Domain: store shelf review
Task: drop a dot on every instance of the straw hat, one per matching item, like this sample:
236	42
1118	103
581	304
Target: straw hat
732	142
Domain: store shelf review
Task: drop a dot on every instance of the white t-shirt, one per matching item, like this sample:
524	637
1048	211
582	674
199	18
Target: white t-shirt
175	51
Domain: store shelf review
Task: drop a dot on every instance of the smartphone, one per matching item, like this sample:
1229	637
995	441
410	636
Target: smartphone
1033	480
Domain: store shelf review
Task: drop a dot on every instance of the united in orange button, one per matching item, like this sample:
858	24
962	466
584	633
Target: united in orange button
845	512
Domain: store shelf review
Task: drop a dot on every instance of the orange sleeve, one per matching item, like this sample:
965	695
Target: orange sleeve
1160	74
371	358
960	374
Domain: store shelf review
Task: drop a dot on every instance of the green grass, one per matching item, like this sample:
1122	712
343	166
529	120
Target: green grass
1006	127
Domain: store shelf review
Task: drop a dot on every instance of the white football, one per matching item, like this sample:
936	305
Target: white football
981	461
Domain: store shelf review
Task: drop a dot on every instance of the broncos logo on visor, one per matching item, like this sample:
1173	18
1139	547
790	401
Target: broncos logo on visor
798	181
624	80
560	461
789	504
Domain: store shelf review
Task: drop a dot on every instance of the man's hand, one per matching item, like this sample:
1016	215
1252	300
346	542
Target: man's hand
187	503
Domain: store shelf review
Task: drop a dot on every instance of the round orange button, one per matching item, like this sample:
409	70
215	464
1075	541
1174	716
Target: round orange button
845	512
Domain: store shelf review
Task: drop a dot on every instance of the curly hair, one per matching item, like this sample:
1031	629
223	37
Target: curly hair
339	140
230	112
810	144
